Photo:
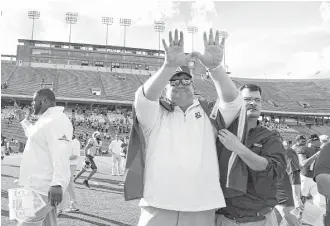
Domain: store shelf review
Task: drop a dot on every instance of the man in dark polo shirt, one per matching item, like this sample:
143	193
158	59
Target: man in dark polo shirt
322	178
265	158
288	190
307	156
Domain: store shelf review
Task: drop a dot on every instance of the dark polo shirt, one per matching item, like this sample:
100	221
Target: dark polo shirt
291	177
322	165
262	185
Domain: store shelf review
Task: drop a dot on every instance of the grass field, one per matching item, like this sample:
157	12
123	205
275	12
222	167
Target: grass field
101	204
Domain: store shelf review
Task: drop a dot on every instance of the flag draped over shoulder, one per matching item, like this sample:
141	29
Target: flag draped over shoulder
237	172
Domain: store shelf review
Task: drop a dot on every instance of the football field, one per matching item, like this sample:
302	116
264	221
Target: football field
101	204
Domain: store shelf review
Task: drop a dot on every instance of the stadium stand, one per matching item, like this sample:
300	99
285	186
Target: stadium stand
278	95
7	69
324	85
296	96
306	92
321	129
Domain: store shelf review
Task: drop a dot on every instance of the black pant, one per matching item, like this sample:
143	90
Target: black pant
91	159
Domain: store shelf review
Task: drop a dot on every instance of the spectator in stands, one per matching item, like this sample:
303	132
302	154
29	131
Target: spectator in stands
70	195
301	142
289	190
45	166
322	178
307	156
324	139
115	148
265	162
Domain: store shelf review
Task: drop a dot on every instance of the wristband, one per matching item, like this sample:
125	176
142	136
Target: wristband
214	68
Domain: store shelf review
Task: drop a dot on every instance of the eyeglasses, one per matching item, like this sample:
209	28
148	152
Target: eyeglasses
250	99
185	82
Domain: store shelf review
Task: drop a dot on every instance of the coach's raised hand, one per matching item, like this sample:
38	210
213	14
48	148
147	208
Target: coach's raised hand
174	57
213	52
211	59
174	53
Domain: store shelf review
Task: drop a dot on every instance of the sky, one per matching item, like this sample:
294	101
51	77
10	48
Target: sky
266	39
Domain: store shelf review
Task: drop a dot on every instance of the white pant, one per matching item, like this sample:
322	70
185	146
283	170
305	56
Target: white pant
307	185
69	196
116	160
123	163
151	216
287	216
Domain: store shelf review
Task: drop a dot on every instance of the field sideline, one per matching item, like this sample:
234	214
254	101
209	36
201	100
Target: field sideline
101	204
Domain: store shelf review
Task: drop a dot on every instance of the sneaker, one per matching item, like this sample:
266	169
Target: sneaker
72	209
86	183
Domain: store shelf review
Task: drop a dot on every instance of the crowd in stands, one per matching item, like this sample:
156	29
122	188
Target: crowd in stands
107	121
95	120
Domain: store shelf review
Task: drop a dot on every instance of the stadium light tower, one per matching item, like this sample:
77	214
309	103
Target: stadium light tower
71	18
224	35
34	15
159	26
107	21
125	23
192	30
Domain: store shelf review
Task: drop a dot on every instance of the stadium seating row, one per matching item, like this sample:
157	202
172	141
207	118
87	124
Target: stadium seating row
278	95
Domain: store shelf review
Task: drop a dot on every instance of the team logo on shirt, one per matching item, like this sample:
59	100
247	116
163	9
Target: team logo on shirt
63	138
179	69
197	115
257	145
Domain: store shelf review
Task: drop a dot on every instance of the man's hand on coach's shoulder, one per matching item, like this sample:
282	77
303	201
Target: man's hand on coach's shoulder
213	52
230	141
174	52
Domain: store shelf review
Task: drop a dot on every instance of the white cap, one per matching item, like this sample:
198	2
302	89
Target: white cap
324	137
95	134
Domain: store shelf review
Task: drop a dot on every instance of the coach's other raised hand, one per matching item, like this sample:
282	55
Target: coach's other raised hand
174	53
213	52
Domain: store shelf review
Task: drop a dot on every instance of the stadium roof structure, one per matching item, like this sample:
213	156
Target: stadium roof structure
70	99
7	55
29	41
286	113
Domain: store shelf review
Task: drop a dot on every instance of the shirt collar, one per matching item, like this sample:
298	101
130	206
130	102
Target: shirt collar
257	127
194	104
52	110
